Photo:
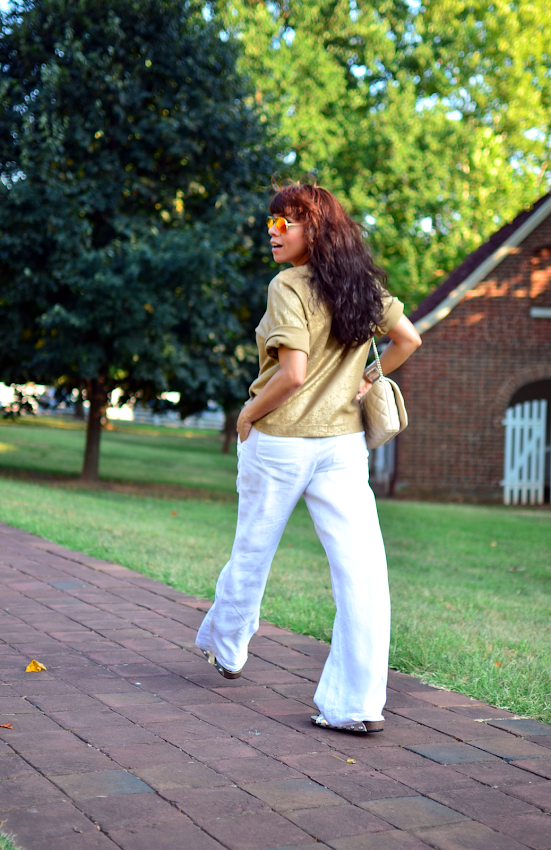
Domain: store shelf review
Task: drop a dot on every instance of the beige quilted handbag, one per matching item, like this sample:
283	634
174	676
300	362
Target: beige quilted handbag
383	410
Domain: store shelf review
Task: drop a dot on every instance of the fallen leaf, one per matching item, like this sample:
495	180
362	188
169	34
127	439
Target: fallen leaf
348	761
493	543
6	726
498	664
35	667
174	513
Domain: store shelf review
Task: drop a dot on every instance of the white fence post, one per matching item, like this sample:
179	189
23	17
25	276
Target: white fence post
381	467
524	472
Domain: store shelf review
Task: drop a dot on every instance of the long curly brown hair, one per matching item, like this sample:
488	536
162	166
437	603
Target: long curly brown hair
344	276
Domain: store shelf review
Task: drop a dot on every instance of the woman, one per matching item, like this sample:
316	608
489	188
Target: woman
301	434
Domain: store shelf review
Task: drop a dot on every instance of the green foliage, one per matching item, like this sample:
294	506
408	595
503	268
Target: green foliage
130	157
415	116
127	107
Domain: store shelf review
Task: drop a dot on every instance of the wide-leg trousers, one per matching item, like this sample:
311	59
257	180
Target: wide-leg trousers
332	475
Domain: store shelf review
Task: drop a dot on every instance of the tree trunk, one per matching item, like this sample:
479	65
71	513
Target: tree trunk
230	429
97	396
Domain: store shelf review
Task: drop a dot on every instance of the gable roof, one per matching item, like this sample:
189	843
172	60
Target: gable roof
478	265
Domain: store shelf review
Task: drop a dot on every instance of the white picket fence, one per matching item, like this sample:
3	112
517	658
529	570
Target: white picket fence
381	467
524	473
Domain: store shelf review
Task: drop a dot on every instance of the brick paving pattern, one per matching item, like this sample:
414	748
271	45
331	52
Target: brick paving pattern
130	740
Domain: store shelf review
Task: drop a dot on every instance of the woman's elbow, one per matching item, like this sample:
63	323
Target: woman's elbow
405	335
410	343
293	365
296	380
292	379
413	338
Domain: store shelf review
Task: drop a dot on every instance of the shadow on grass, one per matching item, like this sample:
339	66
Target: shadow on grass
128	488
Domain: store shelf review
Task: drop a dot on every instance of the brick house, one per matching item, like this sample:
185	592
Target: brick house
486	349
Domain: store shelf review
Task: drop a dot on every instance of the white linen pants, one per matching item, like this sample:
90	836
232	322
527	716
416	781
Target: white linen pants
332	475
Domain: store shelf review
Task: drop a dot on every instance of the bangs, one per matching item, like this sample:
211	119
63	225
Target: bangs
288	203
286	211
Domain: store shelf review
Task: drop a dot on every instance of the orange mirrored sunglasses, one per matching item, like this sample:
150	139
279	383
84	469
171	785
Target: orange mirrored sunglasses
281	223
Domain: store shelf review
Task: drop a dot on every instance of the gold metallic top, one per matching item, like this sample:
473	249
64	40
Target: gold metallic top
325	405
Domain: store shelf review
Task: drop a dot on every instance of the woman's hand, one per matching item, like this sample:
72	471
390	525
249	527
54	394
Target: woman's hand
365	386
244	423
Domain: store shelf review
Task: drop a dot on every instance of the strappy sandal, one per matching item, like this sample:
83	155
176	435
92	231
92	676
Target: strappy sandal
227	674
362	727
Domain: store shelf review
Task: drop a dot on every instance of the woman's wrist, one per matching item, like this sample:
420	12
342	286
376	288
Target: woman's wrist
371	373
245	415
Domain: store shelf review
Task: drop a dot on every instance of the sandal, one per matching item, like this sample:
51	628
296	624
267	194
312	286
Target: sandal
227	674
362	727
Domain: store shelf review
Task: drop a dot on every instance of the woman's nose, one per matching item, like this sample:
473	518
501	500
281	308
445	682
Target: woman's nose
273	231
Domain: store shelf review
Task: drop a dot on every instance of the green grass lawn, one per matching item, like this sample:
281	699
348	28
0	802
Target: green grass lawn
470	585
129	452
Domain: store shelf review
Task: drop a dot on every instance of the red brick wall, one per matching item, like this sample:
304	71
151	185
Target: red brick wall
459	384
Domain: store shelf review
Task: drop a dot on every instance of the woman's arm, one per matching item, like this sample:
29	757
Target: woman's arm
281	386
404	341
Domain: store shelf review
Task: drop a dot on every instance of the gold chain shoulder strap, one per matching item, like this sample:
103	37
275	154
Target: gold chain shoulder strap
376	353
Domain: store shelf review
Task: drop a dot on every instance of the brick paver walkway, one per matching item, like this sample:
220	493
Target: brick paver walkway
131	740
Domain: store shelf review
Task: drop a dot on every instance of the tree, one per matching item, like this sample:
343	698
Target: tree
431	122
130	152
